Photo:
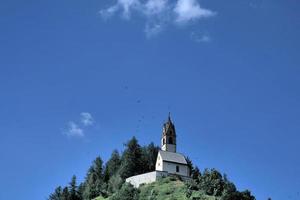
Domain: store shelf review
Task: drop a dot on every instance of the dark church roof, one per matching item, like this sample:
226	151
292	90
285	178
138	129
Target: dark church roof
172	157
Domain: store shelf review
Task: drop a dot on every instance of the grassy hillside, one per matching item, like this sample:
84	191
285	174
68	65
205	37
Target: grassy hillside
108	180
167	189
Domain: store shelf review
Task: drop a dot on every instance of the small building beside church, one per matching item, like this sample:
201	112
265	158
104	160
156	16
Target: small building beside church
168	161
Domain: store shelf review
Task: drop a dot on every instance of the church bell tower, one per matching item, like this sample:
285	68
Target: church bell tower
168	140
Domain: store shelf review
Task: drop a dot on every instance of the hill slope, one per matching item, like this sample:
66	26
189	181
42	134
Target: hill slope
166	189
108	180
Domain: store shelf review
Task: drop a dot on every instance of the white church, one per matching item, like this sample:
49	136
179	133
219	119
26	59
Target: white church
168	161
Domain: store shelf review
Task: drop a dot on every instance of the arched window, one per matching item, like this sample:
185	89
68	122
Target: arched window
170	140
164	141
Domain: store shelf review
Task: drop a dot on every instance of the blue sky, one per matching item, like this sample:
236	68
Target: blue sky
79	78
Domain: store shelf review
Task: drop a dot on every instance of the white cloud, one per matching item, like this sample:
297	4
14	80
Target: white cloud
187	10
159	13
73	130
109	11
152	29
125	6
153	7
86	119
200	37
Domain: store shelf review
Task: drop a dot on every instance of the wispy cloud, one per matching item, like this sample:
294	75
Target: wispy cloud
153	7
152	29
125	6
200	37
86	119
159	13
74	129
188	10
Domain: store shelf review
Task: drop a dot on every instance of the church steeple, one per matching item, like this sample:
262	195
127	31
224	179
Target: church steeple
168	140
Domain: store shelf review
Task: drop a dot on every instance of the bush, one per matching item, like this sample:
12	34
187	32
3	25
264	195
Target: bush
127	192
115	183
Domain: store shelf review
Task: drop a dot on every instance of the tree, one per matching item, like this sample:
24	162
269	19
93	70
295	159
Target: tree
212	182
196	175
65	194
93	186
149	157
115	183
190	165
135	160
246	195
131	160
229	187
81	190
73	189
127	192
57	195
112	166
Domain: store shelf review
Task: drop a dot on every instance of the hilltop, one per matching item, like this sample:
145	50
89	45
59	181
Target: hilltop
165	189
107	181
172	188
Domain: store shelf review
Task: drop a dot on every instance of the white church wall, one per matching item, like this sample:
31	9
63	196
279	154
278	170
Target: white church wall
171	168
146	178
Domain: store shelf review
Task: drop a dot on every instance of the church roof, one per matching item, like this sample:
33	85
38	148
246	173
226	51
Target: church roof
172	157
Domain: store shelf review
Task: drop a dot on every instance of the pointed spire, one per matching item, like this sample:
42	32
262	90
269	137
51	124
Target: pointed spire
169	136
169	124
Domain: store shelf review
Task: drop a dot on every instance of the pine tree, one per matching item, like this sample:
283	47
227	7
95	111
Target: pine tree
65	194
73	189
229	187
94	181
196	175
115	183
112	166
149	157
57	195
212	182
190	165
127	192
132	159
81	190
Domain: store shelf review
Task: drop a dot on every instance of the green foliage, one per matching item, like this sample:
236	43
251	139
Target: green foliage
229	187
132	162
57	195
65	194
73	190
127	192
149	156
211	182
196	175
112	166
115	183
190	165
246	195
80	190
108	183
94	184
164	189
